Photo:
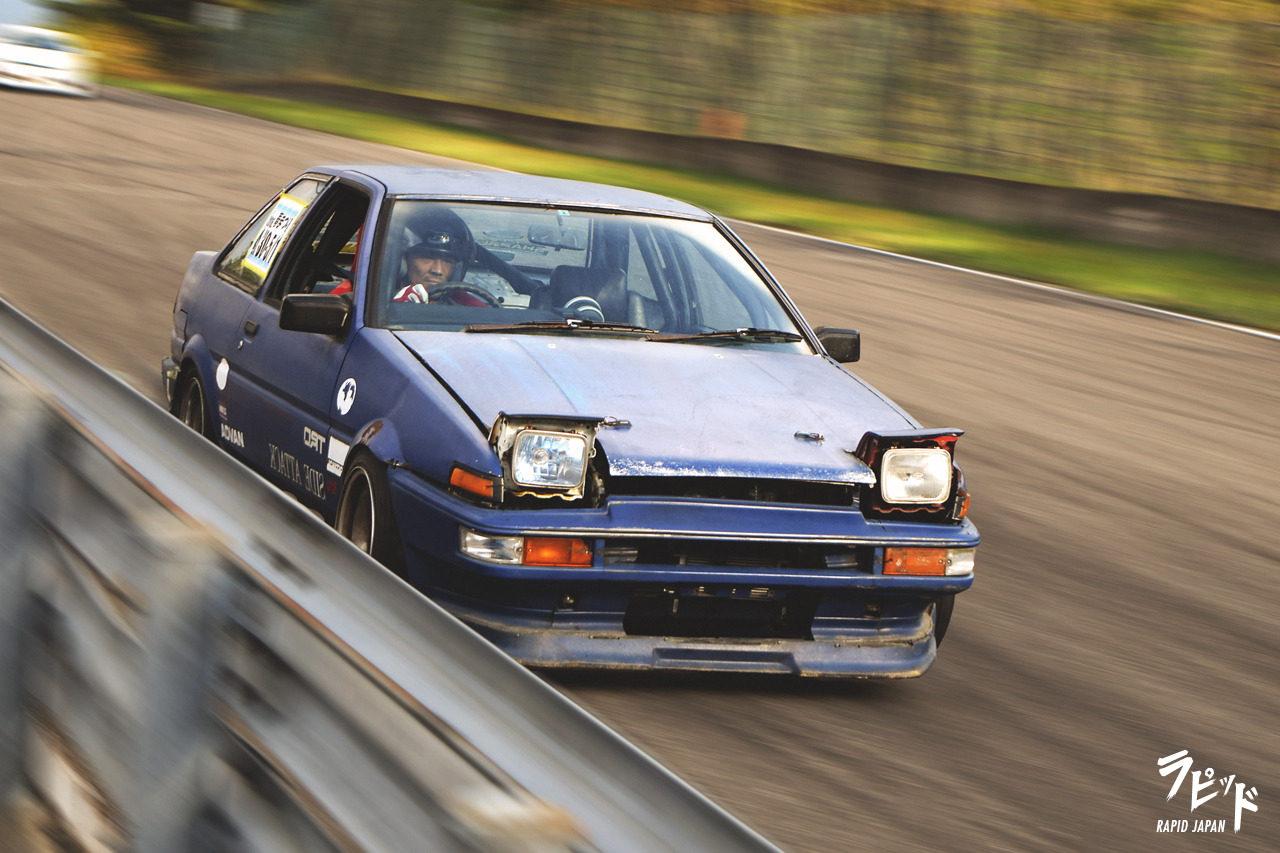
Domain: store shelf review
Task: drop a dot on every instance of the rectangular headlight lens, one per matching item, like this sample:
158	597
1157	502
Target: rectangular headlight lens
549	460
915	475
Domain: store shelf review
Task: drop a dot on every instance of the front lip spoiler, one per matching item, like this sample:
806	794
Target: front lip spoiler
806	658
880	655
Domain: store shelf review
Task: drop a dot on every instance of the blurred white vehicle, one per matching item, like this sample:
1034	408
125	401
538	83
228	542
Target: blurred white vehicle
45	60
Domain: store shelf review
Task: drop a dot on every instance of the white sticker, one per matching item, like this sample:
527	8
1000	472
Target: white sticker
346	396
223	371
274	231
337	456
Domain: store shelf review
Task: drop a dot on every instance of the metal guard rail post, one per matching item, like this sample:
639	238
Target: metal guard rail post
191	661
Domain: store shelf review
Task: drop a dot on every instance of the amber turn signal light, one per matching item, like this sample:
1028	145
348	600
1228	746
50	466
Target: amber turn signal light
915	561
475	484
547	551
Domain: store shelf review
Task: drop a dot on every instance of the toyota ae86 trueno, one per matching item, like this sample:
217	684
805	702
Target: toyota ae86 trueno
583	419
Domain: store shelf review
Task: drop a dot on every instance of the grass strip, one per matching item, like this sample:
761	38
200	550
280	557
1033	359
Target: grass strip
1198	283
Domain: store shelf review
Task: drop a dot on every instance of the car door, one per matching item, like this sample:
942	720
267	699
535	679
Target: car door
218	310
287	379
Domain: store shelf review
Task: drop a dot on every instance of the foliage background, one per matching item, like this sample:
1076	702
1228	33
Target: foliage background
1169	97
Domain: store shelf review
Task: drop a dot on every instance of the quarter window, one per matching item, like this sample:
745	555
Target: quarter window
248	260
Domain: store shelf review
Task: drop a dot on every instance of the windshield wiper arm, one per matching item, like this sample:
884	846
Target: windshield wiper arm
746	333
570	324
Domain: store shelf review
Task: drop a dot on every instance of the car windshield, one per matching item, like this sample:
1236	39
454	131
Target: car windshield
481	267
39	39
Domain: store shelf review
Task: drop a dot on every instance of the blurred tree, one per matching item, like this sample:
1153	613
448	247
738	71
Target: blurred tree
171	36
1153	10
134	37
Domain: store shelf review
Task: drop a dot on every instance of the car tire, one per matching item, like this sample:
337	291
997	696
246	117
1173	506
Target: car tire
942	616
365	516
191	405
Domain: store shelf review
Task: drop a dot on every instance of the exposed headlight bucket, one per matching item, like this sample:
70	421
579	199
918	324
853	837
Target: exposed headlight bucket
507	550
545	456
916	475
549	460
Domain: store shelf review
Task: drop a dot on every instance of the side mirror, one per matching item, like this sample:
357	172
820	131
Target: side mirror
317	313
843	345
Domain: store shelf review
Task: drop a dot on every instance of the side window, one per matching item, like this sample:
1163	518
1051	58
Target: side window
321	257
249	258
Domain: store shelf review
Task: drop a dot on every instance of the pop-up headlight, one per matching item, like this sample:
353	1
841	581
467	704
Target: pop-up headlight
544	455
916	476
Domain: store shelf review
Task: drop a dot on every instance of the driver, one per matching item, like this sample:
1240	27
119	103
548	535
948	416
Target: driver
435	266
426	265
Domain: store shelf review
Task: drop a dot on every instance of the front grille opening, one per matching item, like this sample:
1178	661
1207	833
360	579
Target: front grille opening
722	613
749	489
738	554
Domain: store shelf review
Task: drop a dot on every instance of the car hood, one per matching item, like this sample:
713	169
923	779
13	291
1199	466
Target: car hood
689	409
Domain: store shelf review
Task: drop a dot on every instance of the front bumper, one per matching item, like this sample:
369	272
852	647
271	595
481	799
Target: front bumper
823	608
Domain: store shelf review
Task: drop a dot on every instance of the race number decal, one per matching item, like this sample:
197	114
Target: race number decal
274	231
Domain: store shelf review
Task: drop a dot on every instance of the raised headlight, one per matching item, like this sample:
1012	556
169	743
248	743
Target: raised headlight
542	459
545	456
916	475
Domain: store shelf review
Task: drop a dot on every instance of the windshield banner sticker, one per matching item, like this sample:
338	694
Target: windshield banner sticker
273	233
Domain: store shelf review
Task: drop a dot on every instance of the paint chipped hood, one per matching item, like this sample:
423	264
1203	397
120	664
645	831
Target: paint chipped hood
691	409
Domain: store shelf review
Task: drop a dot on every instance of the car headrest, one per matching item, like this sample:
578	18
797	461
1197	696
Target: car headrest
569	281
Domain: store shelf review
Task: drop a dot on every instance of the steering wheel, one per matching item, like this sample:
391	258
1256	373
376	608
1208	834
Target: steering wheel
445	292
329	269
584	308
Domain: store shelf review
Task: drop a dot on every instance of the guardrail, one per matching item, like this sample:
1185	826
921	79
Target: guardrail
190	661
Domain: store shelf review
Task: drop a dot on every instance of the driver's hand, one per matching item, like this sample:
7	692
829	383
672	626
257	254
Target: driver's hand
412	293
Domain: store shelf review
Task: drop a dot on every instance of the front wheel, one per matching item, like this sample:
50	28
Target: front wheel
364	512
190	406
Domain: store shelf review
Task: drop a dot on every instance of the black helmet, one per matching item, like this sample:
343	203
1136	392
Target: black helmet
441	233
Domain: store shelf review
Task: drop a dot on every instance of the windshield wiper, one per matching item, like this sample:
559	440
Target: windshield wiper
572	324
746	333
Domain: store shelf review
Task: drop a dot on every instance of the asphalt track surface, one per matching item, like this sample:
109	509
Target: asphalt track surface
1125	468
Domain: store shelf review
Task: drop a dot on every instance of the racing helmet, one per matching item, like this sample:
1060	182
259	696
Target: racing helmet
441	233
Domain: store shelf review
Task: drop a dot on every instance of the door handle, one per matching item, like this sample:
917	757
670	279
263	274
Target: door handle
251	327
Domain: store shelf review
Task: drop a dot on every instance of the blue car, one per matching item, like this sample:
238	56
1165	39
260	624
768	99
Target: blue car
583	419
